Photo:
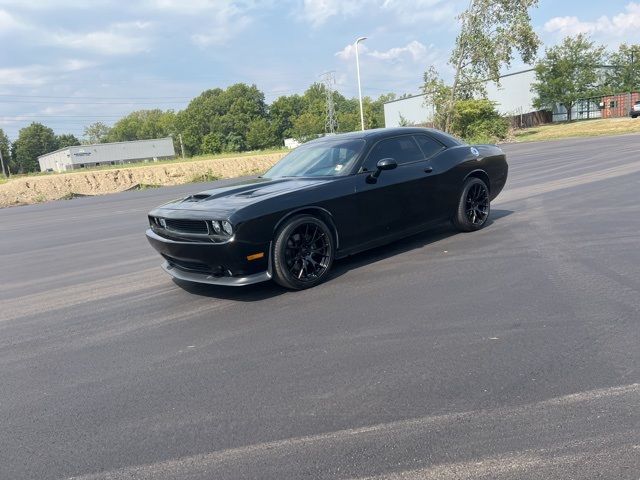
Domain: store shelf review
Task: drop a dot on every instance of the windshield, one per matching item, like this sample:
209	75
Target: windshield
319	160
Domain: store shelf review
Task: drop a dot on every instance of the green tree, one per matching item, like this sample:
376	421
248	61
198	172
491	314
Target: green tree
5	151
283	112
374	115
97	132
67	140
625	74
143	125
436	95
261	134
490	32
227	112
307	126
568	72
33	141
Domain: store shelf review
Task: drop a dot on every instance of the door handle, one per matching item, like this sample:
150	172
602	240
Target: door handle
428	170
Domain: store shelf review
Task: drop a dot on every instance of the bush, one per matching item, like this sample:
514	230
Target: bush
234	143
212	143
478	121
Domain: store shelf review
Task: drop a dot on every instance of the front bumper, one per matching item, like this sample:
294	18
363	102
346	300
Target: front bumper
212	263
212	280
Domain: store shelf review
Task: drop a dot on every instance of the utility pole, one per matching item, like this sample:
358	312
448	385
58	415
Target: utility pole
331	122
5	172
632	69
181	145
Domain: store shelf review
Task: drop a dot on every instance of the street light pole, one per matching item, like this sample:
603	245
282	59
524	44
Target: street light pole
359	86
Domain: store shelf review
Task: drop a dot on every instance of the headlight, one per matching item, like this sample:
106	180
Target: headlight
216	226
163	223
227	227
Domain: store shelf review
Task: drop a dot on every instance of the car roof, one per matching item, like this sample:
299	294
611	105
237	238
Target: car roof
380	133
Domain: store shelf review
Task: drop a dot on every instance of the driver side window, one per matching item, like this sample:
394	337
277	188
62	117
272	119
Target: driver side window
401	149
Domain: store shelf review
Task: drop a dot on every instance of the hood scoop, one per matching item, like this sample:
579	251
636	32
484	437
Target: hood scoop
197	197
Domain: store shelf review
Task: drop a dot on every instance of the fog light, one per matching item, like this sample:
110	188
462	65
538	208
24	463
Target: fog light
228	229
216	226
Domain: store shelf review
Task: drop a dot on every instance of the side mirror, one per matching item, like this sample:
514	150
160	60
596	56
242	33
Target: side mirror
383	164
386	164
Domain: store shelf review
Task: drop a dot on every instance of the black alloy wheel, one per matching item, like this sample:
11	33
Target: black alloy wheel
473	207
303	252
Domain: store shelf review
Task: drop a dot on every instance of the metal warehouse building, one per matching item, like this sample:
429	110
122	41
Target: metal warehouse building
71	158
512	97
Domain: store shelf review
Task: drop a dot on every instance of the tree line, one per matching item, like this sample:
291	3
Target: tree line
234	119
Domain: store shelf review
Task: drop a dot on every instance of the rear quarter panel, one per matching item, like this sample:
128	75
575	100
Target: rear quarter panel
458	163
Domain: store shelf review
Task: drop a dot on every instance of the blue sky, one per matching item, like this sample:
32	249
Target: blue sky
68	63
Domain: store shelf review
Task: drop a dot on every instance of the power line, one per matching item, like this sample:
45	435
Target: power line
73	97
331	122
54	102
36	115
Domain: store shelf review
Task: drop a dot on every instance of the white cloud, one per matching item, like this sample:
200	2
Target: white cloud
118	39
318	12
34	75
29	75
74	64
222	19
8	23
195	7
52	5
414	51
430	12
221	33
349	52
619	26
397	69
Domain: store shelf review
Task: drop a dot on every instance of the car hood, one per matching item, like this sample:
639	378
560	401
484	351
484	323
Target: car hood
230	198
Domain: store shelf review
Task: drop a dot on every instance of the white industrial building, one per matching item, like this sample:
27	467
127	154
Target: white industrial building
82	156
512	97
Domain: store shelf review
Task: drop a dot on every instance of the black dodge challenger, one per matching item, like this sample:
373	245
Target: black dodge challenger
327	199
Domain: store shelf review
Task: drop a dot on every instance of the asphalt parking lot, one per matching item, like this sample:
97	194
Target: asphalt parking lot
512	352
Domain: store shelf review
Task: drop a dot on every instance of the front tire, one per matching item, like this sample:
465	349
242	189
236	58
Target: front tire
303	252
473	206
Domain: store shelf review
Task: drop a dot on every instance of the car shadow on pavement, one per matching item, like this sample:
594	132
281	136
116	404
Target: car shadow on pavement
265	290
413	242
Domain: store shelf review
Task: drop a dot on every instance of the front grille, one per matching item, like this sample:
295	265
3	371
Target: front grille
188	266
187	226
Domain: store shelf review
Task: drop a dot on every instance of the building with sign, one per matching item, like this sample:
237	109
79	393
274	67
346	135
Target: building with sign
119	153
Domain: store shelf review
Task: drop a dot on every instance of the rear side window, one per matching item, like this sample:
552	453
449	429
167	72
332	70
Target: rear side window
401	149
429	145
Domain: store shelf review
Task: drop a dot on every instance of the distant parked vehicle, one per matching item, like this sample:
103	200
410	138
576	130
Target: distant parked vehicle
635	110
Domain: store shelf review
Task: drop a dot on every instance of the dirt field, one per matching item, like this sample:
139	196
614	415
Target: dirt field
35	189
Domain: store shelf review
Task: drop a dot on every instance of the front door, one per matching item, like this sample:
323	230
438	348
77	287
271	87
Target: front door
396	201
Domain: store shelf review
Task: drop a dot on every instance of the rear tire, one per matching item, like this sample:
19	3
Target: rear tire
473	206
303	252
